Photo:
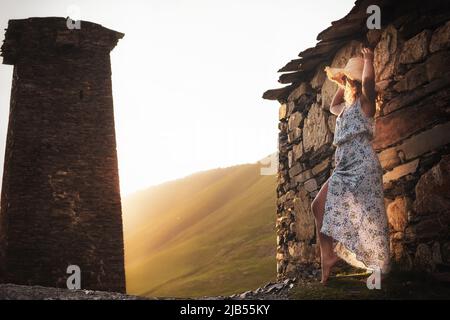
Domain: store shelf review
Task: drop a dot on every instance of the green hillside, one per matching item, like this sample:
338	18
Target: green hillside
211	233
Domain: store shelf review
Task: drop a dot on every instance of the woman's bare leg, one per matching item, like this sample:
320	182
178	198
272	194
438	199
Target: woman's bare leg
327	255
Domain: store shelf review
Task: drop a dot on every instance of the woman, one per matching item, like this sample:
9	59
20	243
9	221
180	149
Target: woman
349	209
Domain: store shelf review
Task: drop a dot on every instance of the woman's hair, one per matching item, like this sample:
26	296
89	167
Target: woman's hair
352	90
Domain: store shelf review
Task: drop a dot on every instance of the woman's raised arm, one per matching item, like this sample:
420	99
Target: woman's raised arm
338	102
368	84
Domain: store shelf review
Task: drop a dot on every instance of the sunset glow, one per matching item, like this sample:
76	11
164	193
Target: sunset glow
188	77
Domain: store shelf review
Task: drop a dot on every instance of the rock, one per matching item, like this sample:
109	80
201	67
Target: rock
319	77
305	175
315	129
292	226
399	125
293	248
306	252
290	269
331	122
349	50
272	288
432	190
295	170
311	185
437	65
279	286
408	98
319	98
415	146
397	212
21	292
279	240
382	85
282	112
436	253
304	219
290	159
246	294
280	267
373	37
427	229
445	252
416	48
288	205
400	255
294	134
328	91
294	120
386	59
297	150
321	167
282	127
442	276
280	256
412	79
389	158
398	235
290	195
426	19
302	89
440	38
400	171
290	107
281	199
423	258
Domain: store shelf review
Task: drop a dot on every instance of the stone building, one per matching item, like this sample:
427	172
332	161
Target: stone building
60	201
412	61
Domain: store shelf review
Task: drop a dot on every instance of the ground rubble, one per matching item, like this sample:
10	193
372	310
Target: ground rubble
275	290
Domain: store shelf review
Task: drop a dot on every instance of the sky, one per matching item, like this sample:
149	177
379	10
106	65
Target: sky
188	76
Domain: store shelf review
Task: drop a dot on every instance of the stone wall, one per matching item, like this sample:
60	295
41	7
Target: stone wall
412	59
60	201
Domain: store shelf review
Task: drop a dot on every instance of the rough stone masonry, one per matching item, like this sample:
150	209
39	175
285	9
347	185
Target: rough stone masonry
60	200
412	131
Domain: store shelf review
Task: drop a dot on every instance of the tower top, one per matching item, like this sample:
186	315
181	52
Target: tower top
35	38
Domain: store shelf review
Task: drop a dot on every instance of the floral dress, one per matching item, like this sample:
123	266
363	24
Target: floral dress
355	215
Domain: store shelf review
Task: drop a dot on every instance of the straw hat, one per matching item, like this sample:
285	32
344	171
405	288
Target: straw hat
353	70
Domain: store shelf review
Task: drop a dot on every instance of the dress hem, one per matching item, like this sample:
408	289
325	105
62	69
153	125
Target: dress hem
345	244
353	252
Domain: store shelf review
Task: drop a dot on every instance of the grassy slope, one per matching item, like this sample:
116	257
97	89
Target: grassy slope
211	233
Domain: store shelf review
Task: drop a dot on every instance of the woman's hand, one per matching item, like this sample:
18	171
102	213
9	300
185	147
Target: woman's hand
367	53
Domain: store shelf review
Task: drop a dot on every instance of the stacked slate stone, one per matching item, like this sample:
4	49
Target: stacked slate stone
60	202
412	61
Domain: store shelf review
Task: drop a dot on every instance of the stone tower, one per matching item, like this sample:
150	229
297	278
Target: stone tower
60	200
